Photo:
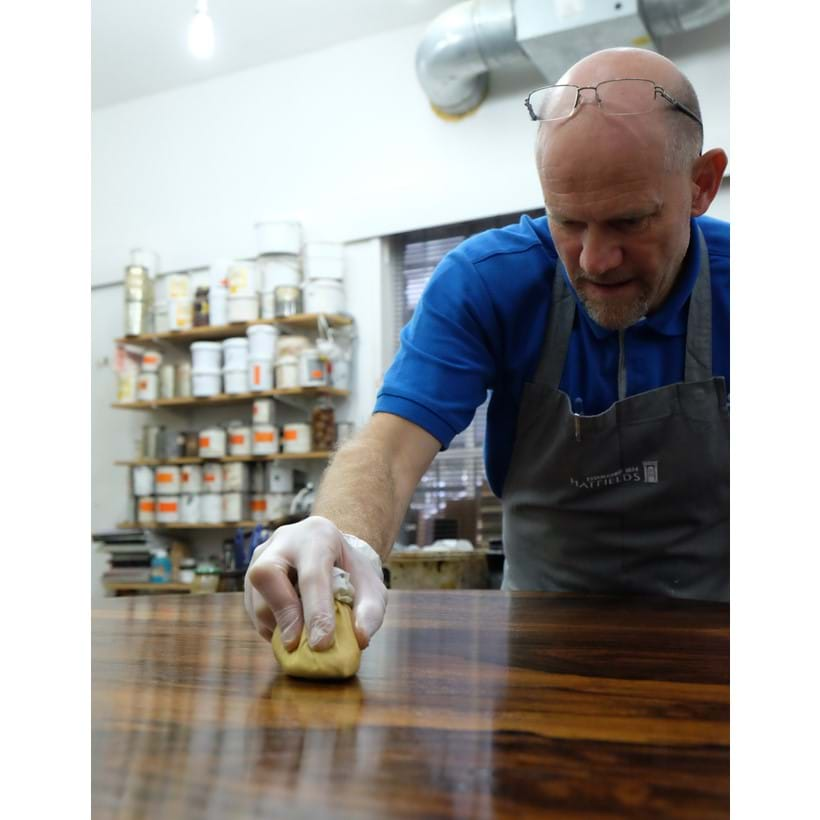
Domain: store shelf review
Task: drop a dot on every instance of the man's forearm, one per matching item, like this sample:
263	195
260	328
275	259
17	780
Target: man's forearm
359	495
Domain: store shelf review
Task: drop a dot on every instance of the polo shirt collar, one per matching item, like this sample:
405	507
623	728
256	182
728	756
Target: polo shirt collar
671	318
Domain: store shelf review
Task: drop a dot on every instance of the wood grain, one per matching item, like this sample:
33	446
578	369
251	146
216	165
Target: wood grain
467	704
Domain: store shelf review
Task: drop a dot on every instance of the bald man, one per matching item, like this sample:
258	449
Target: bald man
602	331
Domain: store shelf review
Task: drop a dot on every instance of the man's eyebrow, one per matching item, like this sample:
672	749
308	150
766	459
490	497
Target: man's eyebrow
635	213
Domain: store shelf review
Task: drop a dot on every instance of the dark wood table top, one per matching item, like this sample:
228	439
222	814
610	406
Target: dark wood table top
467	704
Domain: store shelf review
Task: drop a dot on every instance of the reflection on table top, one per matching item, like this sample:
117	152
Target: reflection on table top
468	704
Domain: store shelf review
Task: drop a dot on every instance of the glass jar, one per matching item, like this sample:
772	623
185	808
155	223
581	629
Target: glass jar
201	312
323	425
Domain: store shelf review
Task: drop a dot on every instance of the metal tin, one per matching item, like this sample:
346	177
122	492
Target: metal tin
166	381
287	300
182	380
136	317
150	440
171	444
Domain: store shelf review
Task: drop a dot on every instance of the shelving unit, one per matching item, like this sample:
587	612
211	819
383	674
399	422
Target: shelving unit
234	398
154	462
146	587
225	525
302	321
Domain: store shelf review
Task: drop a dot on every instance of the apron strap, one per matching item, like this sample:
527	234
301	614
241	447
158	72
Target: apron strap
698	365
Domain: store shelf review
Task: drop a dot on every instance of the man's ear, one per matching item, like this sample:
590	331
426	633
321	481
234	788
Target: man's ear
707	173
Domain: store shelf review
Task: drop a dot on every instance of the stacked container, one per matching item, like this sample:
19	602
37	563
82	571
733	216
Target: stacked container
323	289
139	300
206	370
218	292
235	370
180	302
261	352
243	297
278	245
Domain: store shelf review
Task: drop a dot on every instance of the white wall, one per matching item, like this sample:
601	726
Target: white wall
343	140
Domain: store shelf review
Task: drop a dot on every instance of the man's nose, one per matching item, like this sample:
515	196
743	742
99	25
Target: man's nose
600	252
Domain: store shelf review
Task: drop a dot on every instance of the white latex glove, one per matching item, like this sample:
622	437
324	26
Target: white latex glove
305	553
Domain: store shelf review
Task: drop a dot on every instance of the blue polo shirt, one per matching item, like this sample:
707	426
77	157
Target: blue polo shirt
480	323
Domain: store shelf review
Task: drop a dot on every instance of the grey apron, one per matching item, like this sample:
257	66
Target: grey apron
634	500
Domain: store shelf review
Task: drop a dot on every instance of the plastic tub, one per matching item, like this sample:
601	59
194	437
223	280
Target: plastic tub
166	381
210	508
267	305
235	477
212	441
313	369
265	440
262	342
235	353
206	382
287	345
236	381
142	478
287	372
260	374
242	278
279	270
147	386
218	306
239	439
243	308
212	477
296	438
168	509
324	296
206	356
167	479
279	237
191	478
180	314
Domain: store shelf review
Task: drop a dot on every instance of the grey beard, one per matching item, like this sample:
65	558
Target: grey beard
616	318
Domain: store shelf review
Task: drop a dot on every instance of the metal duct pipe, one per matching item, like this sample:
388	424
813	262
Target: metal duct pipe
666	17
458	50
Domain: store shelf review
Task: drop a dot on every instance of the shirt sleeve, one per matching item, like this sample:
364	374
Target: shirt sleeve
446	361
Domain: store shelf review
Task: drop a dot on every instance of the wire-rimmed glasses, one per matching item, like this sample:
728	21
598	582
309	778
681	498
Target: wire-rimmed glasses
621	97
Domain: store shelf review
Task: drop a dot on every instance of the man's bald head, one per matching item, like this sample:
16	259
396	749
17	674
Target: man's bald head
679	136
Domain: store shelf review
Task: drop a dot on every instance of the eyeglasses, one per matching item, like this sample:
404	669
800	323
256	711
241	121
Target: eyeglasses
622	97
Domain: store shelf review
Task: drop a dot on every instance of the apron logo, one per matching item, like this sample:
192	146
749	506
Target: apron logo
629	475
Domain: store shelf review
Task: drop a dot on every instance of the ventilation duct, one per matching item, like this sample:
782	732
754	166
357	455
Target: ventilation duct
463	44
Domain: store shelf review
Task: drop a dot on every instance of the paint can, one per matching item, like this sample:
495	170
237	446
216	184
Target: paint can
258	478
210	508
171	444
239	439
147	386
168	509
291	345
236	381
212	442
234	506
265	440
235	477
166	381
264	411
212	477
278	237
150	440
279	479
191	478
296	438
324	296
151	360
147	510
259	509
206	356
287	301
243	308
190	512
235	353
142	480
242	278
183	380
278	270
180	314
167	479
313	369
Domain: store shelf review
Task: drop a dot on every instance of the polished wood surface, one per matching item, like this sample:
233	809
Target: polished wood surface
467	704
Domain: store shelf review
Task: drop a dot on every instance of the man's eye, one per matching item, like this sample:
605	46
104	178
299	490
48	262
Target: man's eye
631	224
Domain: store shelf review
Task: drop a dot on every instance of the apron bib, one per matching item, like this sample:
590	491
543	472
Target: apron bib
634	500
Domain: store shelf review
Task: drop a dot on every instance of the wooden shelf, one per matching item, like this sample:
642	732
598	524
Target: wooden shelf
302	321
168	586
155	462
225	525
234	398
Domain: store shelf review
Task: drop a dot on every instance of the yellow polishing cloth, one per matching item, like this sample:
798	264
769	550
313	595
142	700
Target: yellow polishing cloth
340	661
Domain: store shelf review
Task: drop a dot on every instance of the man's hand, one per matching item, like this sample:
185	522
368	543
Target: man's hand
305	553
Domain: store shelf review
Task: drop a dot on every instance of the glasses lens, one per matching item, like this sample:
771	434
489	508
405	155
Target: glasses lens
626	96
553	103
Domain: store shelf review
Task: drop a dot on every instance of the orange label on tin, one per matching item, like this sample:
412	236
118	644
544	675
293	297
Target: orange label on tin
237	438
258	506
291	435
204	441
149	358
143	385
186	476
257	374
260	437
165	478
210	477
317	374
167	506
147	505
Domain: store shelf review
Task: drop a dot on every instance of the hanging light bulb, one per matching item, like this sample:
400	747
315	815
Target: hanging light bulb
201	32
